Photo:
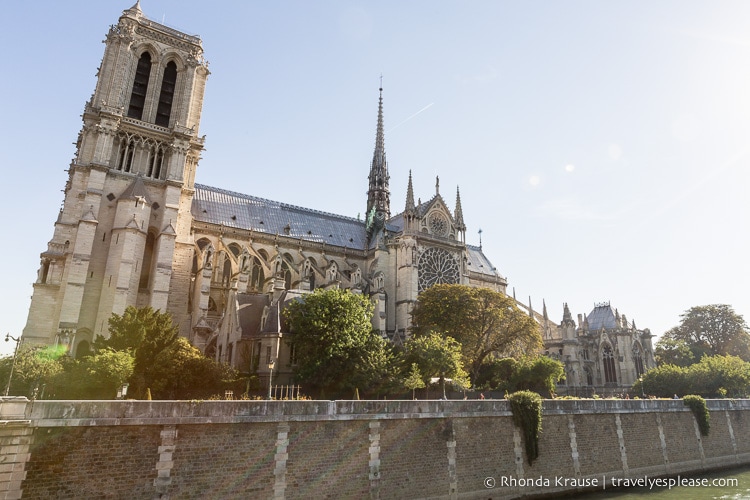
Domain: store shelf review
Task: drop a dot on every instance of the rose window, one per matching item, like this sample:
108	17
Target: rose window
436	266
438	224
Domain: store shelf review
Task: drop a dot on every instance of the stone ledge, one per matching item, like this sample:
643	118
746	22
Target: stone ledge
133	412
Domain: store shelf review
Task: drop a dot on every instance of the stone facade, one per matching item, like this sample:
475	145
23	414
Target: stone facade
136	230
604	354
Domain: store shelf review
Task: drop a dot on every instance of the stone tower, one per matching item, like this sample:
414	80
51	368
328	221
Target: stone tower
123	234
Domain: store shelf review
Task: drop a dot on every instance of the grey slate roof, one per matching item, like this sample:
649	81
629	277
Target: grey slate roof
602	316
218	206
478	261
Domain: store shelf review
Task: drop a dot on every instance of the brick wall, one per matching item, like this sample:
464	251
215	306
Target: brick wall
347	449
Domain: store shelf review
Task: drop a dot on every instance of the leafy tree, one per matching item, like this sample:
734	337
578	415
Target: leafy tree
164	362
710	330
436	356
496	374
539	374
35	367
337	350
713	376
93	377
663	381
414	380
148	333
485	323
183	372
716	375
673	351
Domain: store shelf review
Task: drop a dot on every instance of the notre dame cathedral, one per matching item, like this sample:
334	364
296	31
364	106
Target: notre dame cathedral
135	229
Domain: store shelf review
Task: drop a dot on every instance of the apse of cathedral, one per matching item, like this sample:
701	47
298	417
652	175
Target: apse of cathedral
135	229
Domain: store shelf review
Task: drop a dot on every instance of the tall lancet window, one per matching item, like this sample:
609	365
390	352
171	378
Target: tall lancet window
140	86
608	359
166	95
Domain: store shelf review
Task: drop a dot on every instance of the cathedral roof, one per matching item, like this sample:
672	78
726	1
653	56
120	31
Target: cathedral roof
478	261
218	206
602	316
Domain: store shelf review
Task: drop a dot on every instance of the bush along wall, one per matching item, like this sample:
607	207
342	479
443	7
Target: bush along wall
698	405
526	407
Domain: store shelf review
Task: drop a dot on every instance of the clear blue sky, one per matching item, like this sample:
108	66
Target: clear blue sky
602	147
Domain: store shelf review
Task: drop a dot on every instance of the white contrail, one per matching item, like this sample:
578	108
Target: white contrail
412	116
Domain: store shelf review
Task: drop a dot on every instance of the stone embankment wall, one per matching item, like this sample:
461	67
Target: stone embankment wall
350	449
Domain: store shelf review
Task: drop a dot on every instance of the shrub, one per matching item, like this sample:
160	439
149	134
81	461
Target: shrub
698	405
527	415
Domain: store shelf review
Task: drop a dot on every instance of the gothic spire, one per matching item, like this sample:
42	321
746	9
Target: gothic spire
567	317
459	213
378	194
409	196
544	310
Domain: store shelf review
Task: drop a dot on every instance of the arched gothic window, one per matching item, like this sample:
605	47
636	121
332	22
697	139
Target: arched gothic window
638	360
256	277
125	158
157	160
226	275
608	360
333	272
140	87
287	274
168	83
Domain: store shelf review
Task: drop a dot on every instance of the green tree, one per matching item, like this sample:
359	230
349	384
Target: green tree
94	377
35	368
713	376
485	323
437	356
164	362
663	381
337	350
673	351
148	333
711	330
497	374
717	375
539	374
183	372
413	380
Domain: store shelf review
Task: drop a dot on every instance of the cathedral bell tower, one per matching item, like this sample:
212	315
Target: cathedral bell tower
123	233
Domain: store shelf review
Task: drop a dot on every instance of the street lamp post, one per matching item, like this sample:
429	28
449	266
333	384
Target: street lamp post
8	337
271	364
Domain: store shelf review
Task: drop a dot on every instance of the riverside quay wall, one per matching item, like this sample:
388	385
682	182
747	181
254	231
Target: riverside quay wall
351	449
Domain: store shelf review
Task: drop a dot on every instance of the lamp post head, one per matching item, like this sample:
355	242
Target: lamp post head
271	364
